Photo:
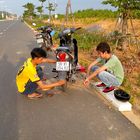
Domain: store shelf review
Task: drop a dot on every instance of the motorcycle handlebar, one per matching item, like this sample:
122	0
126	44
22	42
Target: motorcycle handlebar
67	31
42	28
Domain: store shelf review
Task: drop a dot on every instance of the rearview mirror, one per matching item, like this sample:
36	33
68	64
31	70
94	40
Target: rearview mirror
34	24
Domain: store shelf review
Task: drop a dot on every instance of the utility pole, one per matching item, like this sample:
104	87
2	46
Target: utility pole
1	5
68	11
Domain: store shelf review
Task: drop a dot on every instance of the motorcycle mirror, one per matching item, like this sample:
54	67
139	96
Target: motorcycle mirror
34	24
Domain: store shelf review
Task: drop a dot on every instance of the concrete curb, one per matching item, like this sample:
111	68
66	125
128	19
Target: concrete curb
124	107
30	27
121	106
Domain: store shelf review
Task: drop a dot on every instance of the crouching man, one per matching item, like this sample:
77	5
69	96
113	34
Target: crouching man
111	73
30	76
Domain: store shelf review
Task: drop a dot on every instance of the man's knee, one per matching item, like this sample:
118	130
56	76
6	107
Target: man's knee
101	74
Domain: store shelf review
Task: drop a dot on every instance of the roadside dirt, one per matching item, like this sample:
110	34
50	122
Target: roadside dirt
131	73
130	58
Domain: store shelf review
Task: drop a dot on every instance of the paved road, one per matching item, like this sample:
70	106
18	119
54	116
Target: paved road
78	114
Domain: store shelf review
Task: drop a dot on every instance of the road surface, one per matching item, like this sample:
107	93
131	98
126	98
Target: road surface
77	114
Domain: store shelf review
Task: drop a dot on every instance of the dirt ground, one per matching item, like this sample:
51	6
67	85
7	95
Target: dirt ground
130	57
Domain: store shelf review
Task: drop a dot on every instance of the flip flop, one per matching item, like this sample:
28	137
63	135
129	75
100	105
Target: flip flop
36	97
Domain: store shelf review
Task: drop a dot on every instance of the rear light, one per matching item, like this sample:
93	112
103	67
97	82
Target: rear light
62	56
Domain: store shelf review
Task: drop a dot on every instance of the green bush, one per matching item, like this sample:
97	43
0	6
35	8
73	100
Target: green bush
102	13
87	40
91	13
136	14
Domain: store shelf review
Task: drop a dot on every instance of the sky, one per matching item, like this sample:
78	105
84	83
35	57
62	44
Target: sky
15	6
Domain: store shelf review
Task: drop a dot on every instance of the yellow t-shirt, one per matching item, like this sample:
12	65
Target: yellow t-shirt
27	72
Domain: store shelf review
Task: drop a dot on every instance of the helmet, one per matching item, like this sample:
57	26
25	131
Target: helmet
121	95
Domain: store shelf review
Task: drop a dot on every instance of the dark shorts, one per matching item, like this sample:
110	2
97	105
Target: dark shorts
31	87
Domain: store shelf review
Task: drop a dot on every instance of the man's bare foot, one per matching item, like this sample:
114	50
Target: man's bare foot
34	95
50	93
46	89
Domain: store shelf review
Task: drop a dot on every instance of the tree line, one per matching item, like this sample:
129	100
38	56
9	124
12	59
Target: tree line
32	11
122	6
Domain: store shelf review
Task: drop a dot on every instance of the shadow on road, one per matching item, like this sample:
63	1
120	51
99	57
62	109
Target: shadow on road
8	101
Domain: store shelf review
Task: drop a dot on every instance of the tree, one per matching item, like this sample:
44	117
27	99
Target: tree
29	10
50	8
42	2
125	8
123	4
40	10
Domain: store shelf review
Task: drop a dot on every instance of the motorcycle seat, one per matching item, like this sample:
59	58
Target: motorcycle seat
65	49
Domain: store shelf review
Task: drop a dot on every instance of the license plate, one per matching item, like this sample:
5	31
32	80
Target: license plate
62	66
40	40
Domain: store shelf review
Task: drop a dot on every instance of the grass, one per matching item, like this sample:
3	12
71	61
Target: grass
138	80
86	40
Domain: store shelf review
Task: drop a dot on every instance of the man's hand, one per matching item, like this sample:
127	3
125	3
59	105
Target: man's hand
86	82
44	86
61	82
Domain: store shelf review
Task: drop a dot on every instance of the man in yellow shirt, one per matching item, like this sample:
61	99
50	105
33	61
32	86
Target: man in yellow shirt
30	76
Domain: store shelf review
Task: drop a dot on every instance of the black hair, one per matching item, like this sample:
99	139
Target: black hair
38	52
103	47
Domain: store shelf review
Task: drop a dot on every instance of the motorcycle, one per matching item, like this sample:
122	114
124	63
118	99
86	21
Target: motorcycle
44	38
67	56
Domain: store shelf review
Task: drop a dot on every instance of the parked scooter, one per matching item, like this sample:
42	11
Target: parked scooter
44	38
67	55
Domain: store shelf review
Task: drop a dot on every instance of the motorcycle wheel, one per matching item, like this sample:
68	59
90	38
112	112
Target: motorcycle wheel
62	75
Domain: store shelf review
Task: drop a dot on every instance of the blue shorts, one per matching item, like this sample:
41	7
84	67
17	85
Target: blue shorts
31	87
